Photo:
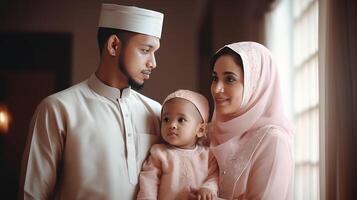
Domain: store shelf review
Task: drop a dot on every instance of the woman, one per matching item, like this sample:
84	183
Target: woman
251	138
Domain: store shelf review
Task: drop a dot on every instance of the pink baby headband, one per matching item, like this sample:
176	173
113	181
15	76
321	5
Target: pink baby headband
195	98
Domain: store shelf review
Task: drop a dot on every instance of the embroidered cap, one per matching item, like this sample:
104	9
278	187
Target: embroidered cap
131	18
198	100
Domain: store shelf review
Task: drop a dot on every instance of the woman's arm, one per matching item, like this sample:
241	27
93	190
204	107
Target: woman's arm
211	181
271	175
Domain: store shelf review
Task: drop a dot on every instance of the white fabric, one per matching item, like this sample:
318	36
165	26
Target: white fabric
131	18
89	142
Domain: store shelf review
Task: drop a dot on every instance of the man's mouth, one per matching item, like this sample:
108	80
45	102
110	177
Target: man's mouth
146	74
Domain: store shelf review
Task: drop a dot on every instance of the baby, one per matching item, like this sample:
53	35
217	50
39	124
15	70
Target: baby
181	165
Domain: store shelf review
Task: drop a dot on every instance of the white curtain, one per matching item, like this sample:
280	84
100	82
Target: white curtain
338	97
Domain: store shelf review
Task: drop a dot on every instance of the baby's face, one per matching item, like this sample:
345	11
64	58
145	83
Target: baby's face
180	123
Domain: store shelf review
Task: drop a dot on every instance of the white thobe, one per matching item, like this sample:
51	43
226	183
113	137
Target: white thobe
89	142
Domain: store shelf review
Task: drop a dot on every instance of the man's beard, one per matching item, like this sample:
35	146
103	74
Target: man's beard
133	84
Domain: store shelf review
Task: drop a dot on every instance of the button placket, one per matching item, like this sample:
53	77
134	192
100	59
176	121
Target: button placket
130	144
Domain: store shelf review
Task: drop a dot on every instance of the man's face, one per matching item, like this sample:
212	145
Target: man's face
137	59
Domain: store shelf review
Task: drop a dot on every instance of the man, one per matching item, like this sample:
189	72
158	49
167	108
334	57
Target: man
89	141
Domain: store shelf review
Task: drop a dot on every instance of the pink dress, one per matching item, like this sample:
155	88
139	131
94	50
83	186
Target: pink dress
256	166
170	172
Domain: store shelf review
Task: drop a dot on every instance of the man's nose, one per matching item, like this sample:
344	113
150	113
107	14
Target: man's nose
152	62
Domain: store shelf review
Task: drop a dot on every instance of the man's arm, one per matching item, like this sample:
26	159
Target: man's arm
43	152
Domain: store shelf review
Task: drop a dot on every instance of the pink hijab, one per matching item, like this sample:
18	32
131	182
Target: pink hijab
261	96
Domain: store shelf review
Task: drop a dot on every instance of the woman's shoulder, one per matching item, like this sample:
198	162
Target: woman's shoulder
273	132
277	137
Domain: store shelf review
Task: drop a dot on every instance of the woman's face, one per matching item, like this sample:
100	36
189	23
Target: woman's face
227	87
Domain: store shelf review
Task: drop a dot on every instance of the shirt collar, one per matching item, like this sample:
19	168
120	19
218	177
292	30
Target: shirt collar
185	150
105	90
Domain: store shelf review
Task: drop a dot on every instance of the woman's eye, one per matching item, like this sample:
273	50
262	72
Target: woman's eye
214	78
230	79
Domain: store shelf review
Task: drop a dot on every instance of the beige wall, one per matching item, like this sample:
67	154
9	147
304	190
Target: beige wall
179	64
236	21
177	57
229	21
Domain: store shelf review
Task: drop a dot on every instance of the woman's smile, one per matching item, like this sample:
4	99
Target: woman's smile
221	100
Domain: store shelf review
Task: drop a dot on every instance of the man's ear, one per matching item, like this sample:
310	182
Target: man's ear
202	130
113	45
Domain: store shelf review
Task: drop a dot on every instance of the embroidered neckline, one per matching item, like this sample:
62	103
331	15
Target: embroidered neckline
238	160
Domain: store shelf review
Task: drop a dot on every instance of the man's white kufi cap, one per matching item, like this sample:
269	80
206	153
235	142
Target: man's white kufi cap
131	18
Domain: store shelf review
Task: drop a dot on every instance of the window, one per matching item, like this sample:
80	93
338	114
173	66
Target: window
293	27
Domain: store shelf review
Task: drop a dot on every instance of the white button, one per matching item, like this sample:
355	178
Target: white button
129	134
224	172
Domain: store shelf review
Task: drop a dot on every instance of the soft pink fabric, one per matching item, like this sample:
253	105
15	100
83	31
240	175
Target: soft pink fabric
195	98
257	167
169	172
261	97
255	150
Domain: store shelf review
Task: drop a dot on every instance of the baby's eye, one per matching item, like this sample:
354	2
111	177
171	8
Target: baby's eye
182	119
165	119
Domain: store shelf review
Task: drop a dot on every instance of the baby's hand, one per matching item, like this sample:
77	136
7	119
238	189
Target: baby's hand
205	194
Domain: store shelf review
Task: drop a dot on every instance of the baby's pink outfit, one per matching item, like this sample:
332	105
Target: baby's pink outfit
170	172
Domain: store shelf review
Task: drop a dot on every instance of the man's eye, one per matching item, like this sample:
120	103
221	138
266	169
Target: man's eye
165	119
145	50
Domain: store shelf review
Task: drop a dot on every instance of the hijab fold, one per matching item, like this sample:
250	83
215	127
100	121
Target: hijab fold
262	101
